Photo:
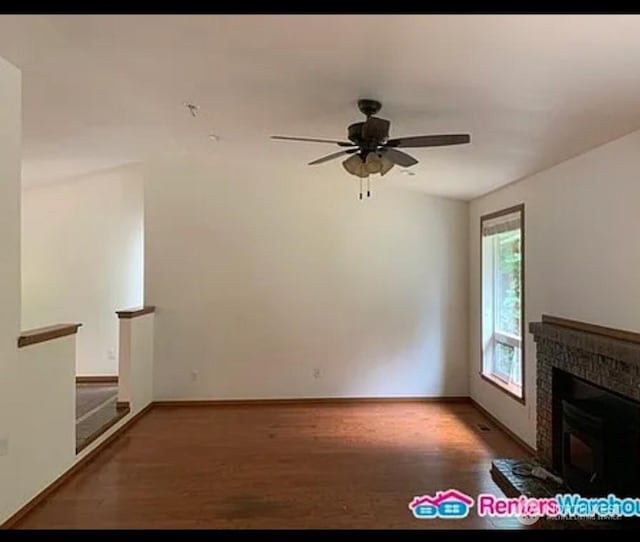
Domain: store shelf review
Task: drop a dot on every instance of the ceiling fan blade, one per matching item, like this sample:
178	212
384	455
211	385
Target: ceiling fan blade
429	140
398	157
332	156
314	140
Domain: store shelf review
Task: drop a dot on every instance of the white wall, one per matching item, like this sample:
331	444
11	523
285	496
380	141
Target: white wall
136	361
37	385
10	125
142	338
82	259
582	257
258	281
43	409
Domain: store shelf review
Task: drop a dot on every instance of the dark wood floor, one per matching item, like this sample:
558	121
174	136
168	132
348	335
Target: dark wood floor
283	466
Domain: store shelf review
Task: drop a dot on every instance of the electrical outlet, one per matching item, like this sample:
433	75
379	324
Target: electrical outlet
316	373
4	446
111	354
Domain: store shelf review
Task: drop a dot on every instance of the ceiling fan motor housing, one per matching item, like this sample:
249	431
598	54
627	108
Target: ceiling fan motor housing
370	134
354	132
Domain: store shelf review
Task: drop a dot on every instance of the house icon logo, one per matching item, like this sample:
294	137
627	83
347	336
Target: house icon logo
450	504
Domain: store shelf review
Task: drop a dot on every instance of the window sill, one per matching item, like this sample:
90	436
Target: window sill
513	391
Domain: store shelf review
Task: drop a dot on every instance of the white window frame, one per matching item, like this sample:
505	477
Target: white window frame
490	335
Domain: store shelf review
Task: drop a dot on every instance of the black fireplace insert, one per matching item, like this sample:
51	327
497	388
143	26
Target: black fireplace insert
596	438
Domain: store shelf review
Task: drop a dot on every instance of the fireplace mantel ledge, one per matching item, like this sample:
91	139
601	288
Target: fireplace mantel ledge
592	339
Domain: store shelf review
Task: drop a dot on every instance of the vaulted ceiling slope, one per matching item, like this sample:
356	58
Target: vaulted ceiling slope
533	90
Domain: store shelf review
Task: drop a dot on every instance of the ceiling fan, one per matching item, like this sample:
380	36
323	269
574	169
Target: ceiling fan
371	149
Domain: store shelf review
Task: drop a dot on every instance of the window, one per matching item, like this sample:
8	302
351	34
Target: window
502	256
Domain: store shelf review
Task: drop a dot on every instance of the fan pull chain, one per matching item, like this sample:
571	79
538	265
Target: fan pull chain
360	187
368	190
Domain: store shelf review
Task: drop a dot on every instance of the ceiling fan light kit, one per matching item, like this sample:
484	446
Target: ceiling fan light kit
371	150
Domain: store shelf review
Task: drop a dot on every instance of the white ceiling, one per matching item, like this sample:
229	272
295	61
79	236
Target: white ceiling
533	90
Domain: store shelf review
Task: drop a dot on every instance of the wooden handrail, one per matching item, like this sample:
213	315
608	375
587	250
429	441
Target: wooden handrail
43	334
138	311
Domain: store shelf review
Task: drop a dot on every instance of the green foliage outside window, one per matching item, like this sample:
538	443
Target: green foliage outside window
509	262
504	359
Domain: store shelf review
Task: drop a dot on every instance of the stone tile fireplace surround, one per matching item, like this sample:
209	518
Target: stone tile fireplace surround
606	357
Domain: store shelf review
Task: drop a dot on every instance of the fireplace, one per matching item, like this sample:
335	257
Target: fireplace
595	437
582	449
588	406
